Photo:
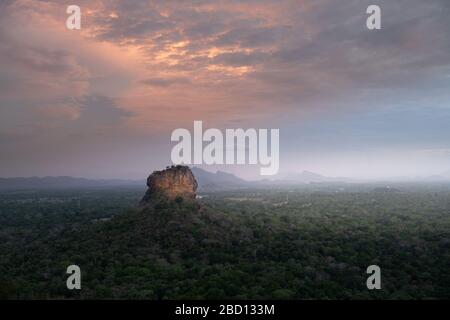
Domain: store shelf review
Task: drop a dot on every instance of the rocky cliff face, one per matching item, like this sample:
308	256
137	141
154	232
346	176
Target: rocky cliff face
174	182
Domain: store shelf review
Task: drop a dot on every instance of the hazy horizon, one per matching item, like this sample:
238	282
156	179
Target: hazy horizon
288	176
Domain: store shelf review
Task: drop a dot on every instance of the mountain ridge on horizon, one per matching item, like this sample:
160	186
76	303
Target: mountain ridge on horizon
208	180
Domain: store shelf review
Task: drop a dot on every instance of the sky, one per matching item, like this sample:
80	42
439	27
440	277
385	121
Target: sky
101	102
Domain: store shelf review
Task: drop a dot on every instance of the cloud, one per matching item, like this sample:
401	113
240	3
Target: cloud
165	82
98	111
139	68
240	58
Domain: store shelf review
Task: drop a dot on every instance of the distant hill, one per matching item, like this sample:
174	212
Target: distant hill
312	177
306	177
62	182
444	176
206	180
209	181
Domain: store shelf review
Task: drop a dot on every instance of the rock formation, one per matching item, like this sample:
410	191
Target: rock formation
174	182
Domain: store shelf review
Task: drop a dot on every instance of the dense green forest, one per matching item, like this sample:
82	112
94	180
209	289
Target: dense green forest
297	243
